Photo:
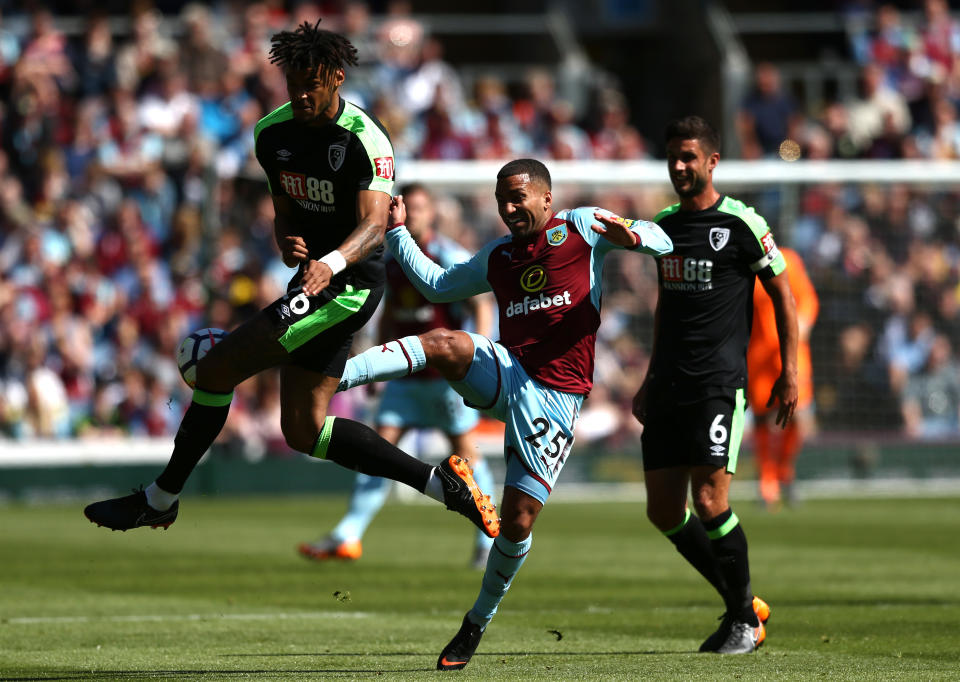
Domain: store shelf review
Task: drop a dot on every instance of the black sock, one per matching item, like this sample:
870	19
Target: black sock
201	424
730	547
693	544
356	446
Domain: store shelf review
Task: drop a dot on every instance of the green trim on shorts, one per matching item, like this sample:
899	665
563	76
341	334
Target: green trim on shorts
728	526
329	314
323	440
736	431
212	399
678	528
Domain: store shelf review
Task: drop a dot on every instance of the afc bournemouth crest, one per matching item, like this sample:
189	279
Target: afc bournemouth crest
719	236
335	155
557	235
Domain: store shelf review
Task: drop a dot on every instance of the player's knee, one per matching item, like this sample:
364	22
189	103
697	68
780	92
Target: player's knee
708	503
448	351
664	519
216	371
517	529
298	435
518	516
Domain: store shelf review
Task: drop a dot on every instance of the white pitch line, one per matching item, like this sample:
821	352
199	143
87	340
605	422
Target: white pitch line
53	620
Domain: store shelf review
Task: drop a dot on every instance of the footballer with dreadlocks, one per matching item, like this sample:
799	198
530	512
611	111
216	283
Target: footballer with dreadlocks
329	168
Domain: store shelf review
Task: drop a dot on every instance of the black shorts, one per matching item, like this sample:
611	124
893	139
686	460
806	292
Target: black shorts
317	331
692	428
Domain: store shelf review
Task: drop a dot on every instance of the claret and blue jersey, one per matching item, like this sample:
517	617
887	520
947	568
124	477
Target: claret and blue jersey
548	288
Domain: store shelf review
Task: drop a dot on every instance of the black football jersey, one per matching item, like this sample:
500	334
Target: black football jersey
706	292
322	169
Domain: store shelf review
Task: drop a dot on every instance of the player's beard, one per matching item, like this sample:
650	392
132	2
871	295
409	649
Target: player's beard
697	185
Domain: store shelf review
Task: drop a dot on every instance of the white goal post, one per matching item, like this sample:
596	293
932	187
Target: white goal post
472	175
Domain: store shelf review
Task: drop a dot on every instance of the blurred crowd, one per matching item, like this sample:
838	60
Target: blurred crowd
886	259
132	210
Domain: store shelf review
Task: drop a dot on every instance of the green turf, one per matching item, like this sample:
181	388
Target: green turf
862	589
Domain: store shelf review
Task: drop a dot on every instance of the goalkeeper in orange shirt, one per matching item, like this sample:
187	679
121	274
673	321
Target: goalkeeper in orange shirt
777	452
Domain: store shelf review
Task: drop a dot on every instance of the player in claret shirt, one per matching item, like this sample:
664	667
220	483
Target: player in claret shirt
329	167
691	402
546	276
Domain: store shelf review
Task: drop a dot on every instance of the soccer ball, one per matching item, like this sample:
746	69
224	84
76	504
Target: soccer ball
194	347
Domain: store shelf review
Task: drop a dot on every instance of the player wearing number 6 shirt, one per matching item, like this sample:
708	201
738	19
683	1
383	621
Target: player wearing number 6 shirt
691	402
546	276
329	167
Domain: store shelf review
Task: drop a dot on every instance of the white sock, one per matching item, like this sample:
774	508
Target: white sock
158	498
434	487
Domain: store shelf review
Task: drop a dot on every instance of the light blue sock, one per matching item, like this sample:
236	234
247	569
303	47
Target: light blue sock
392	360
484	478
505	560
369	494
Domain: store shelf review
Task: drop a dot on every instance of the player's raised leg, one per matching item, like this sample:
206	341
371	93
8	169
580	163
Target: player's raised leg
358	447
244	352
391	360
306	427
449	352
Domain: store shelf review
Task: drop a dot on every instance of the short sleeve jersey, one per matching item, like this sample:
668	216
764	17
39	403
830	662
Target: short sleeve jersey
547	286
321	169
706	292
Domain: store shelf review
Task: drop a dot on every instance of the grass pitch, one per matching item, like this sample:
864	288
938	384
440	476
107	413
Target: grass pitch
859	589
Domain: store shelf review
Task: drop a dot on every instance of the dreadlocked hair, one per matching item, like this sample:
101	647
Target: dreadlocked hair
311	47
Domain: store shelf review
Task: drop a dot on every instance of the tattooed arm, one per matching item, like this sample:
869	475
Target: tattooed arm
372	209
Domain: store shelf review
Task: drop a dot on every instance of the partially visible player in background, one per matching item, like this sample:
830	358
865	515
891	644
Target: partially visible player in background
777	450
692	402
424	400
329	168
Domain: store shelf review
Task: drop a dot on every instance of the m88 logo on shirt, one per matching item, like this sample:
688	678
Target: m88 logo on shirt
686	274
310	193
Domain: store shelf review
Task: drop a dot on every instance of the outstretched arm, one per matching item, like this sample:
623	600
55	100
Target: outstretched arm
437	284
632	234
372	208
785	388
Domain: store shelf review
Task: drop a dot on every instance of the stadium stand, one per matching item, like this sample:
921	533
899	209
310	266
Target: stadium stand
131	210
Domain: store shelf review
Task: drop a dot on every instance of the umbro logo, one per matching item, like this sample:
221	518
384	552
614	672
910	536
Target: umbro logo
284	154
717	450
284	310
